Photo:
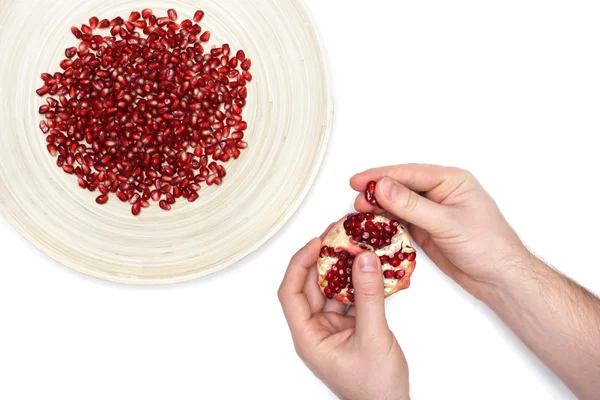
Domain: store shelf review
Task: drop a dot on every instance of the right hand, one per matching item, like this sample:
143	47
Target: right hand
452	218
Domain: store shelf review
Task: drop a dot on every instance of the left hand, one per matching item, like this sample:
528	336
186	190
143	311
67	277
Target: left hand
355	355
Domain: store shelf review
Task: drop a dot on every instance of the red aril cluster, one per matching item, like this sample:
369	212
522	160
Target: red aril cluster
363	228
146	110
351	236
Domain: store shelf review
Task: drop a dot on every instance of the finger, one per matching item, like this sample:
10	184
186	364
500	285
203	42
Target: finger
362	205
411	207
369	298
293	300
340	322
334	306
435	181
330	305
311	290
326	230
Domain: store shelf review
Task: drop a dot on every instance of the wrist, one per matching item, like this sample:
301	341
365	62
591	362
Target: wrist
517	275
515	268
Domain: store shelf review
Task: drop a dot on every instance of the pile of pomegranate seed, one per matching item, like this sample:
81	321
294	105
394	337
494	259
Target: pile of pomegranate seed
140	112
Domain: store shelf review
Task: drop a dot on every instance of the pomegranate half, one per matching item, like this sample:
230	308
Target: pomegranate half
354	234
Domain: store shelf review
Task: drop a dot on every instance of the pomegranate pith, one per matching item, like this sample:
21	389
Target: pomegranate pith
355	234
146	110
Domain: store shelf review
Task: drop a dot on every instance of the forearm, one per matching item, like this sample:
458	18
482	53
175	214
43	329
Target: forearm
556	318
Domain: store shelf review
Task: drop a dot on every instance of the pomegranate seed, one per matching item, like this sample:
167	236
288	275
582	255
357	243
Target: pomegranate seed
146	13
177	192
70	52
156	195
117	21
172	14
134	16
388	274
94	22
129	26
42	91
76	32
86	29
136	209
400	274
134	199
53	150
164	205
205	37
66	64
198	15
102	199
370	194
104	24
246	64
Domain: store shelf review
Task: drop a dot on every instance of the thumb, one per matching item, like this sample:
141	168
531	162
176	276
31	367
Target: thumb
410	206
367	277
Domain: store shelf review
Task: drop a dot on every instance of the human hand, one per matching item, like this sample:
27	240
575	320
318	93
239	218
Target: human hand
355	355
452	218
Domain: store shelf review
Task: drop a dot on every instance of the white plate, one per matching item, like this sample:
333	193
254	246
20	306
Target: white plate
289	113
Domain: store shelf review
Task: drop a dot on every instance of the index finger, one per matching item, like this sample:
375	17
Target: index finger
293	301
431	179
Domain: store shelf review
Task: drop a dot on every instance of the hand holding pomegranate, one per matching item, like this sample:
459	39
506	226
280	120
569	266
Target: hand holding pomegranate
355	355
452	218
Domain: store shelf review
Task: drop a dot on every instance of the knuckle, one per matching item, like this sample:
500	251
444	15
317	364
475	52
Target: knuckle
411	201
369	290
465	174
300	351
293	260
280	293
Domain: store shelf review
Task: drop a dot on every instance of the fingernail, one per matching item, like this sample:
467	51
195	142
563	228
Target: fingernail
367	262
389	188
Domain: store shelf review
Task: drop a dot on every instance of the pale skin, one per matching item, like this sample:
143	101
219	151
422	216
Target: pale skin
461	229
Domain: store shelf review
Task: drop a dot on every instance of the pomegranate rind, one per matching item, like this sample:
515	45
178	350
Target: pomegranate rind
337	239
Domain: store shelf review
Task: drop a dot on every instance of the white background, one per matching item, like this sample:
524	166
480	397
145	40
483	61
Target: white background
509	90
